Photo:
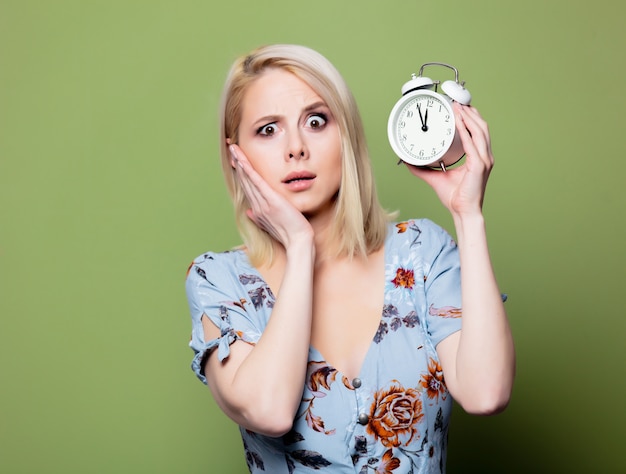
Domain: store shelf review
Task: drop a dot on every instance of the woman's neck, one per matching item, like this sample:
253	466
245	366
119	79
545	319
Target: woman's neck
324	238
325	244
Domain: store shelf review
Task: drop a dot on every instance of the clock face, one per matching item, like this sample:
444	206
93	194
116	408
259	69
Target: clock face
421	127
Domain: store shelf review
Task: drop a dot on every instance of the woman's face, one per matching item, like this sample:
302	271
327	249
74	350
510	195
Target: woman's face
292	140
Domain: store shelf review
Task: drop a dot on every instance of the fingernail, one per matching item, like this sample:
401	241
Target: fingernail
233	153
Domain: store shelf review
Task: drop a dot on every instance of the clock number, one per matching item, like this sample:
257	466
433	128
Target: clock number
429	102
402	124
404	137
409	114
448	131
447	119
421	153
434	152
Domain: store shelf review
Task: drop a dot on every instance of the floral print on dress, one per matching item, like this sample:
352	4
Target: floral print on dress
319	376
394	416
404	278
387	464
391	320
307	458
433	381
259	294
412	226
253	459
445	311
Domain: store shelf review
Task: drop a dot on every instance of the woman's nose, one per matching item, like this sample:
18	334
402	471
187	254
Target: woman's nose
297	156
296	149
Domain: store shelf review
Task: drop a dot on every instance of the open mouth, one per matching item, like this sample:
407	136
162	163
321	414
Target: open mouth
293	180
298	176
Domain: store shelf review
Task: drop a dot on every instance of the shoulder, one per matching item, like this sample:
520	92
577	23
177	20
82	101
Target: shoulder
214	267
419	232
228	258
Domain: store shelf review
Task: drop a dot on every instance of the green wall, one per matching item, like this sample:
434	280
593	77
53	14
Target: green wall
110	185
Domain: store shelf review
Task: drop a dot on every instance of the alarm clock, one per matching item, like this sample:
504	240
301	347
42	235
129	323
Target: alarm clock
421	127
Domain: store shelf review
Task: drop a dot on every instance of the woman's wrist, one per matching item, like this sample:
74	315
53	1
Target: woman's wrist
468	221
301	248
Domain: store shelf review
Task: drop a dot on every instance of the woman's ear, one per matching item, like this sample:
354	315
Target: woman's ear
229	142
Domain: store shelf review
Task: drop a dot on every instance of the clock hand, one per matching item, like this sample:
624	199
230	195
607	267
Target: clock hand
424	127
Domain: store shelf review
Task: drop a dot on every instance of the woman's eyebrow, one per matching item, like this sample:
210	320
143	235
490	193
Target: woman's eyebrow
266	119
315	105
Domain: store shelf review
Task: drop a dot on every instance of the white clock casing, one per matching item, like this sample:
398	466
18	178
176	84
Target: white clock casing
422	127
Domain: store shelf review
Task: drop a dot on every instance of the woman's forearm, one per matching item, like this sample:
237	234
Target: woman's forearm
485	358
265	390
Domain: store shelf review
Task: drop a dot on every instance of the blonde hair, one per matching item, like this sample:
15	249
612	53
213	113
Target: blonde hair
360	223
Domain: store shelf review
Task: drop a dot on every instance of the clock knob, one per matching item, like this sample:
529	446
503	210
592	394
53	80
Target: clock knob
456	92
417	82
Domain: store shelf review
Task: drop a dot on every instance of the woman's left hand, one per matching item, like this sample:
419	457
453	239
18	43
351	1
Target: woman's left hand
462	189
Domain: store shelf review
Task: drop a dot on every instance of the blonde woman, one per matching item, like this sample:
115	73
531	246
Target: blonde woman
335	338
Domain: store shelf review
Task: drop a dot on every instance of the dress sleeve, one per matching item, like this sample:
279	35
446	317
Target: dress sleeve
442	284
214	289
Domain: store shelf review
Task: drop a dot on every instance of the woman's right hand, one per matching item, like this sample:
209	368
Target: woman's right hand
268	209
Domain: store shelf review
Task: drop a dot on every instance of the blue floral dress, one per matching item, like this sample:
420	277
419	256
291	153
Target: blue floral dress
393	418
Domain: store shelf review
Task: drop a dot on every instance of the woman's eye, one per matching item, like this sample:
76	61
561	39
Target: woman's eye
316	121
267	130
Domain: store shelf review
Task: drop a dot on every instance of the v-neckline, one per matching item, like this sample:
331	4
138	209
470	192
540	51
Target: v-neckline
314	349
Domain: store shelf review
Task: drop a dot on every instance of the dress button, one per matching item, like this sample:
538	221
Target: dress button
356	383
363	419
